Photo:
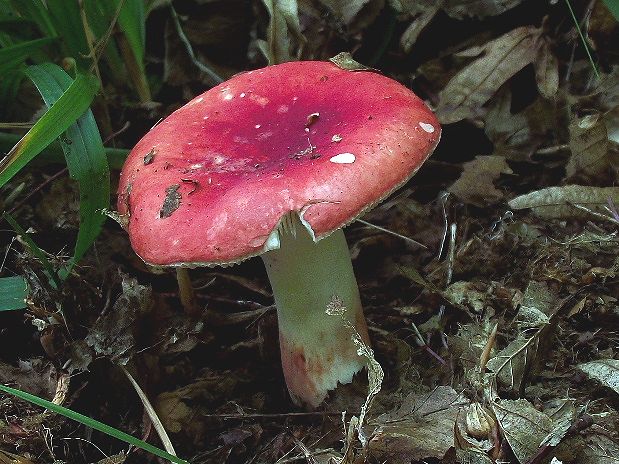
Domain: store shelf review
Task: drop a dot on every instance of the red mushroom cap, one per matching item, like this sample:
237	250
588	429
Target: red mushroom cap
211	182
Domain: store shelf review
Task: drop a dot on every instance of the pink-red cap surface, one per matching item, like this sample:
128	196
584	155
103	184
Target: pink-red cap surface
210	183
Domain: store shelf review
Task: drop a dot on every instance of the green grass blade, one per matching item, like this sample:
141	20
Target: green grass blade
132	21
54	280
14	55
70	106
53	154
67	20
582	39
92	423
35	10
13	293
85	156
613	7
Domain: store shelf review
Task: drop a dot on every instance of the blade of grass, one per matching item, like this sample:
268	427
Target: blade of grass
85	156
70	106
583	40
613	7
52	275
53	153
13	293
67	20
11	57
92	423
154	418
35	10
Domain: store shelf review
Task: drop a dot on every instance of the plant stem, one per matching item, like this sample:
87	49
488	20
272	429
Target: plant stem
307	277
185	290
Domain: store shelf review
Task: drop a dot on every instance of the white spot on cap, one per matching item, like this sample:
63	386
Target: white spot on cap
196	166
336	138
219	159
343	158
429	128
228	96
257	126
242	95
282	109
205	117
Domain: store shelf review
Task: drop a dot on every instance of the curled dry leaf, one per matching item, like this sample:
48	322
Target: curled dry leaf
546	70
475	184
558	202
284	22
473	86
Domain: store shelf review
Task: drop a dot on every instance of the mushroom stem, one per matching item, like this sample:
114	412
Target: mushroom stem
185	290
317	349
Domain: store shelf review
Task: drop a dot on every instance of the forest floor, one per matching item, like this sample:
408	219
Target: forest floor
498	336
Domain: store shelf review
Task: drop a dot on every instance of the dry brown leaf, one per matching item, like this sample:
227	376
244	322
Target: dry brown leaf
589	145
422	427
546	70
475	184
558	202
524	426
473	86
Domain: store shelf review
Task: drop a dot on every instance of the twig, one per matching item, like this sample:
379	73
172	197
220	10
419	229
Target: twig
163	435
382	229
201	66
283	415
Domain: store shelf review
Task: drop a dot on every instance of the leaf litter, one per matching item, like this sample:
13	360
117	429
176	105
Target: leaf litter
495	343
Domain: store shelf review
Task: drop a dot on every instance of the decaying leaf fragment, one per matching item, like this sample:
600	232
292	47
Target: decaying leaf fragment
284	22
355	14
473	86
605	371
558	202
475	184
546	70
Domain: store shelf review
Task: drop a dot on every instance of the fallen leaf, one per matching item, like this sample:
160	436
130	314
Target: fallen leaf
523	426
558	202
113	335
473	86
599	449
356	14
461	9
538	305
509	364
589	146
475	184
422	427
410	35
605	371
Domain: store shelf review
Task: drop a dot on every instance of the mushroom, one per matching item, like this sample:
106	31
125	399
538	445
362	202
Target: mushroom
275	162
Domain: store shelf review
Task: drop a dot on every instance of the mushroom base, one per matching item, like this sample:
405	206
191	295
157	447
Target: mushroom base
307	277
